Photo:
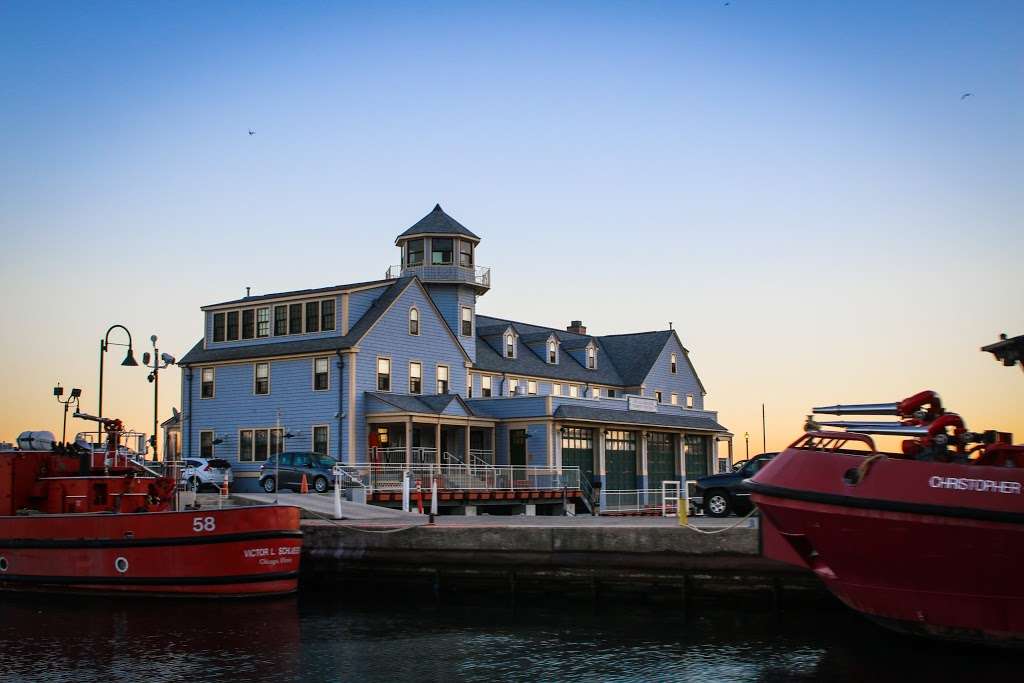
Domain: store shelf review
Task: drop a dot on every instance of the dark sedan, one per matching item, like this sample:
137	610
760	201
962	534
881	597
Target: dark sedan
723	494
294	464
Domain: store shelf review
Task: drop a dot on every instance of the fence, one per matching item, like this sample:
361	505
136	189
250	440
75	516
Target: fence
466	477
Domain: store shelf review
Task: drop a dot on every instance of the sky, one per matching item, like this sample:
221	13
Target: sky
802	189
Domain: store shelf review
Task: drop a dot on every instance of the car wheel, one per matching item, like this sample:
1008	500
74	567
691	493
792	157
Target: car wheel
269	485
717	504
320	484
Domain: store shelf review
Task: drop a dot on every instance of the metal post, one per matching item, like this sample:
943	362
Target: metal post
337	497
764	432
433	498
99	425
64	432
156	395
405	490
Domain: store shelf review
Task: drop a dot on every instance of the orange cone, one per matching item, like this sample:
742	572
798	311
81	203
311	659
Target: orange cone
304	486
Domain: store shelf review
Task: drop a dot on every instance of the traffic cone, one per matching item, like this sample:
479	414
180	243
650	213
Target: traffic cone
304	486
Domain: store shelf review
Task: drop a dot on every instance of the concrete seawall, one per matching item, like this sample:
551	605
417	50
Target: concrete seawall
586	561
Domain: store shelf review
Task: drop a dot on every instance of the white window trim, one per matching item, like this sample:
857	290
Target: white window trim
214	383
489	388
595	392
270	322
547	351
254	367
419	322
672	364
312	439
556	389
437	377
469	385
574	391
472	321
513	385
588	350
531	387
391	374
674	399
690	403
328	359
412	363
658	395
213	446
505	344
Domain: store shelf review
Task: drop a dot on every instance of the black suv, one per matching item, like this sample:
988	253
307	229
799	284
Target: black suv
724	494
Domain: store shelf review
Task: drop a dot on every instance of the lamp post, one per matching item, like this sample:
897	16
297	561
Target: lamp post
160	361
746	439
58	391
129	361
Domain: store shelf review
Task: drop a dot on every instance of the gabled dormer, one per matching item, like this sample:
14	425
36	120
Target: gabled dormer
546	346
509	343
584	350
551	350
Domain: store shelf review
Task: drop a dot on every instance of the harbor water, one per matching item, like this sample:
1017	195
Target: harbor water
328	637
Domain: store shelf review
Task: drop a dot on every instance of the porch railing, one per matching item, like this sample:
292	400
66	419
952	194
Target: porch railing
466	477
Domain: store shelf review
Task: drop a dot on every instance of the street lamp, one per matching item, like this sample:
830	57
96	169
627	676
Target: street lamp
160	361
129	361
58	391
746	439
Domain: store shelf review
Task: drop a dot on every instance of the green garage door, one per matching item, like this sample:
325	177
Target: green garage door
661	461
578	451
620	461
696	450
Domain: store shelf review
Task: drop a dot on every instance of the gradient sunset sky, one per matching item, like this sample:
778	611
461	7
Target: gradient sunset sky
800	187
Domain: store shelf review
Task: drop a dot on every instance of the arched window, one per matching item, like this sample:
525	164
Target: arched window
414	321
510	345
673	363
591	358
552	352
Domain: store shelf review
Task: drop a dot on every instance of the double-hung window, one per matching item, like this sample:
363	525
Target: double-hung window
262	322
321	374
531	387
261	379
207	388
469	385
232	325
672	363
467	321
689	400
440	251
674	399
442	379
218	327
206	444
295	319
321	434
414	251
657	396
485	386
415	378
248	323
591	358
383	374
556	389
327	315
574	391
465	253
312	316
414	321
595	392
280	320
510	345
552	352
513	386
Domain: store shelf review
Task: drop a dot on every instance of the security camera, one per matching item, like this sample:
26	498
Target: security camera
167	358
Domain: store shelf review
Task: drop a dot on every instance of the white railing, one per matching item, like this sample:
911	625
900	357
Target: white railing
481	457
637	500
477	275
466	477
395	455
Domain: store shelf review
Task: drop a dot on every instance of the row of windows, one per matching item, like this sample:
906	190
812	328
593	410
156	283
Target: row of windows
261	378
673	398
255	323
442	250
465	327
415	377
256	444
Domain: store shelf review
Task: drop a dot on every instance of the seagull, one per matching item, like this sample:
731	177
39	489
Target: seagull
252	132
966	95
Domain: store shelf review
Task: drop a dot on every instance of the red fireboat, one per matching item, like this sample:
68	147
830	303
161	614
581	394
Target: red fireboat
89	520
928	541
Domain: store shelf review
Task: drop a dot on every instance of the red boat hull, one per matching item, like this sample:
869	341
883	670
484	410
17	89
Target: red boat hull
230	552
925	547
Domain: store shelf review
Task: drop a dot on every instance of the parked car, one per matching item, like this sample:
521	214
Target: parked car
317	468
206	473
723	494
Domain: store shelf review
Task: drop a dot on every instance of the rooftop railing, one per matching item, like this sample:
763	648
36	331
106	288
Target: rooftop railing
473	275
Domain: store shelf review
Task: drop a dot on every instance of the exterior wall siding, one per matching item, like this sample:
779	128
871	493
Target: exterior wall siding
683	382
450	299
360	302
390	338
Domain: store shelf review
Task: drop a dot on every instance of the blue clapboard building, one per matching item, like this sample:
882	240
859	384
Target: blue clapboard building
404	369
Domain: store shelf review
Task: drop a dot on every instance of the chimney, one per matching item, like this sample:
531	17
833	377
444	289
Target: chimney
576	327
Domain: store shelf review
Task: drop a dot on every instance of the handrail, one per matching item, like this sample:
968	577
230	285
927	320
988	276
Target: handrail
831	441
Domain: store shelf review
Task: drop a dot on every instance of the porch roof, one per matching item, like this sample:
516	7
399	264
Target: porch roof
450	405
638	418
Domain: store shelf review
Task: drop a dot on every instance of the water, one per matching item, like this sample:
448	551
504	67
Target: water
321	637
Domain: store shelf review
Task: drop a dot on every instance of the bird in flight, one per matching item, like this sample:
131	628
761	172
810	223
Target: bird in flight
966	95
252	132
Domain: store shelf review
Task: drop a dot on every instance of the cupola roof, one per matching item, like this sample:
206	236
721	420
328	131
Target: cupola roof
437	222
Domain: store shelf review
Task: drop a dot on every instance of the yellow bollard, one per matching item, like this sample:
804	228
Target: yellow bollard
682	511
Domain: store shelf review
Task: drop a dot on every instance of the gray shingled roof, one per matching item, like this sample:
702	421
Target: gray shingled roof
297	292
640	418
635	354
434	404
438	222
198	354
528	362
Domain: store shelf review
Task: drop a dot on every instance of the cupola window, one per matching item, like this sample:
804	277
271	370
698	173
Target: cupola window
441	251
465	254
414	251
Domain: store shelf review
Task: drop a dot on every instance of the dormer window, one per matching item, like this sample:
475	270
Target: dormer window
510	345
441	251
591	358
414	252
672	363
414	321
553	352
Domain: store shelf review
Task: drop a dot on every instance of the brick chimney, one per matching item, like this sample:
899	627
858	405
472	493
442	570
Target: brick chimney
576	327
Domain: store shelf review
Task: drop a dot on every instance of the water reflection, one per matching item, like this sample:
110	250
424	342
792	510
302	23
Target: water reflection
322	636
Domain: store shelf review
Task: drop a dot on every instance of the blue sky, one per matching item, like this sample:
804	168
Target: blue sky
797	186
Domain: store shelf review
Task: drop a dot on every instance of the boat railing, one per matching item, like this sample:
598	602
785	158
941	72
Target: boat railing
832	442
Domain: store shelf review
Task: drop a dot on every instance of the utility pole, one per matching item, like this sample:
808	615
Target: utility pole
160	361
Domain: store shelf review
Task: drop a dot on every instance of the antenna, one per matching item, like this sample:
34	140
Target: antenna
247	292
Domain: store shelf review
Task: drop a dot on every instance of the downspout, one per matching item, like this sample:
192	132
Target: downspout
188	414
341	397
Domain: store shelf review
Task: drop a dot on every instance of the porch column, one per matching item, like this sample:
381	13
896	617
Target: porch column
642	464
556	447
681	456
730	452
466	457
437	440
599	433
408	441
